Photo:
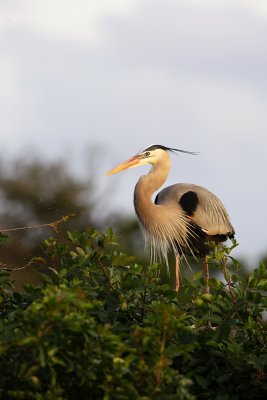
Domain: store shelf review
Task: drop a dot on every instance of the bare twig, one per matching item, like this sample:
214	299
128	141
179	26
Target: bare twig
53	225
7	267
227	278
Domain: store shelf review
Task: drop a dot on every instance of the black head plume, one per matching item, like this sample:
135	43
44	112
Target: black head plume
159	146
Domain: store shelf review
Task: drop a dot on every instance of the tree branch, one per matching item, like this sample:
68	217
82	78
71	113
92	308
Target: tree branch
53	225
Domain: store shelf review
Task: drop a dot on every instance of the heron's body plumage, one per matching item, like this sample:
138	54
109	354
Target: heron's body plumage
183	218
209	214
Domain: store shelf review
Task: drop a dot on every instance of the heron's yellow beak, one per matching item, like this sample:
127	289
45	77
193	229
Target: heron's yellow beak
131	163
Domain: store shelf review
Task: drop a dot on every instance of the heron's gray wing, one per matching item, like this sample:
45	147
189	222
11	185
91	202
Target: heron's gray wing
202	206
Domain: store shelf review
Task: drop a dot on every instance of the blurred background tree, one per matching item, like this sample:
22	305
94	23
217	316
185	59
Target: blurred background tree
34	192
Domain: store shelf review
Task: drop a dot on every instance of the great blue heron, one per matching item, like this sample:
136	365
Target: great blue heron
183	218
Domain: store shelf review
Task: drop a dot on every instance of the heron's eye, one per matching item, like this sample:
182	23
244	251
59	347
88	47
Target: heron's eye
147	153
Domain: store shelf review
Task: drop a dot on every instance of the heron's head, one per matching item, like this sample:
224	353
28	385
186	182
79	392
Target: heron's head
150	155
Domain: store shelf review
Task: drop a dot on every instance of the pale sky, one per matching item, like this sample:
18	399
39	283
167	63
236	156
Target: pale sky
124	74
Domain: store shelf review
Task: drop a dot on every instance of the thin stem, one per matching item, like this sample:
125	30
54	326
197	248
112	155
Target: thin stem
52	225
7	267
207	289
228	280
177	270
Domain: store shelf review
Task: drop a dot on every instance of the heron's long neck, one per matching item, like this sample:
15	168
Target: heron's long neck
147	185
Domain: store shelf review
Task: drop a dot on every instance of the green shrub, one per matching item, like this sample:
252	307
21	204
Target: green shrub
102	327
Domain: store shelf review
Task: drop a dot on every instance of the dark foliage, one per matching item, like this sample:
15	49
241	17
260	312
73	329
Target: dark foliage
103	327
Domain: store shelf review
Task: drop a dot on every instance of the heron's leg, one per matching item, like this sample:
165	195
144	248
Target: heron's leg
207	289
177	271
